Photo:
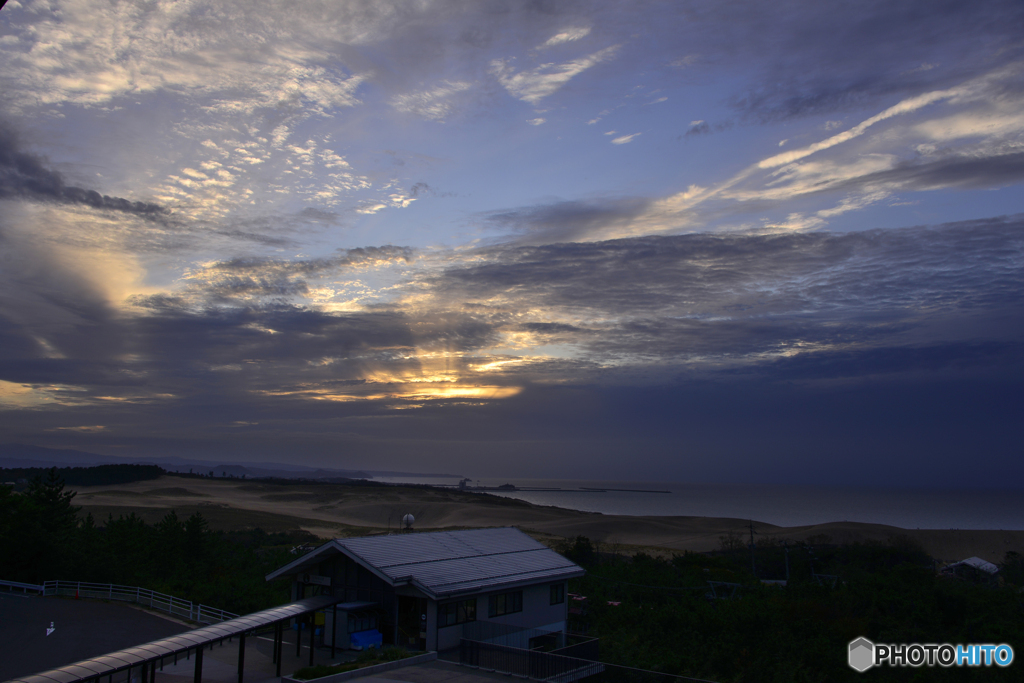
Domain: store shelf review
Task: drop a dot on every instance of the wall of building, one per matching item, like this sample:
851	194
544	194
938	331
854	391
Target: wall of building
537	612
354	583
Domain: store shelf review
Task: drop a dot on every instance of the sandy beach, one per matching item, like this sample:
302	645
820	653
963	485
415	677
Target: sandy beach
333	510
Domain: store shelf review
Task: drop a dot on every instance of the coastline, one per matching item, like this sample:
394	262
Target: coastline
331	510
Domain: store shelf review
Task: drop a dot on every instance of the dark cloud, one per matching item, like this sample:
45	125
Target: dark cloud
265	240
989	357
703	274
25	175
15	341
699	128
78	371
287	336
777	356
967	172
821	59
284	278
318	214
550	328
733	297
567	221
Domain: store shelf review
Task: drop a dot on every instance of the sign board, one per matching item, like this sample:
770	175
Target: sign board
314	579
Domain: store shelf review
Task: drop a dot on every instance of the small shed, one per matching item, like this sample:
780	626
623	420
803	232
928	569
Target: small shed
419	589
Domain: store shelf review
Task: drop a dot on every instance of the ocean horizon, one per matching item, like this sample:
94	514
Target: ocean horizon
781	505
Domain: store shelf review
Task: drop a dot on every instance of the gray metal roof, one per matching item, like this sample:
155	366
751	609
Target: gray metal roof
447	563
165	647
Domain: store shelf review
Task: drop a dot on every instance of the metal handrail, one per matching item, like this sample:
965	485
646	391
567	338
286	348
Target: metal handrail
143	596
24	587
556	668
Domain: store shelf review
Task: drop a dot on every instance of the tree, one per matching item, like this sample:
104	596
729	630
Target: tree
196	532
52	504
580	550
47	528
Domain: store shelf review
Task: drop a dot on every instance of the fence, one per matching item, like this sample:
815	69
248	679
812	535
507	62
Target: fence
557	668
528	663
142	596
11	586
555	642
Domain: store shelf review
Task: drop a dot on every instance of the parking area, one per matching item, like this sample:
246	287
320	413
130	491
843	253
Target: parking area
88	628
81	629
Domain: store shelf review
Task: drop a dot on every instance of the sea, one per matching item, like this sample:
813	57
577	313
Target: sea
782	505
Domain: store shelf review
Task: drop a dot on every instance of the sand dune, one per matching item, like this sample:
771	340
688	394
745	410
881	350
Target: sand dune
339	510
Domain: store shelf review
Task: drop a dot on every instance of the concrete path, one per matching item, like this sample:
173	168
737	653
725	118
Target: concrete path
436	672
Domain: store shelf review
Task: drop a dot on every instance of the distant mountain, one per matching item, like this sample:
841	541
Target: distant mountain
16	455
23	455
267	469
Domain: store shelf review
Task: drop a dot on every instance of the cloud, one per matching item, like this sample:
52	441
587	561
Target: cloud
318	214
567	36
905	107
953	172
255	279
750	303
917	360
434	104
736	296
831	62
624	139
568	220
601	324
65	57
569	343
698	128
684	62
25	175
534	85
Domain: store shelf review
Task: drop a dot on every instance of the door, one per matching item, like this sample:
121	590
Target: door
412	622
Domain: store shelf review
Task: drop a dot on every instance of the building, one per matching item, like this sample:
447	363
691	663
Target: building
420	589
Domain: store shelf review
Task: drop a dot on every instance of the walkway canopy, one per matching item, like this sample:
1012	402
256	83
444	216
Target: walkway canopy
144	658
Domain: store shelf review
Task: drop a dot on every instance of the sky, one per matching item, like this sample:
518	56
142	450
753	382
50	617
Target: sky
697	241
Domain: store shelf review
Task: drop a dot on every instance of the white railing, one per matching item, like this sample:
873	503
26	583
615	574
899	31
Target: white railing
23	587
142	596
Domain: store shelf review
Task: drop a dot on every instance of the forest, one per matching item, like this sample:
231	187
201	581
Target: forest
44	536
702	615
660	613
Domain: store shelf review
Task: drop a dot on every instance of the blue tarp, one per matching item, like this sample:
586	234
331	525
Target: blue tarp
365	639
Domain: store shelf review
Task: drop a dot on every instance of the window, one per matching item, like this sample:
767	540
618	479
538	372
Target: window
452	613
505	603
361	621
557	593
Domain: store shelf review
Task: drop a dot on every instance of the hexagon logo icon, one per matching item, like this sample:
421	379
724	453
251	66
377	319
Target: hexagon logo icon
862	654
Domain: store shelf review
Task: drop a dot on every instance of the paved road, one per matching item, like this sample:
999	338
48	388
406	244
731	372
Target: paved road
82	629
88	628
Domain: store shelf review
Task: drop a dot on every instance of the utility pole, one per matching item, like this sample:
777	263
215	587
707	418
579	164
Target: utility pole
753	567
